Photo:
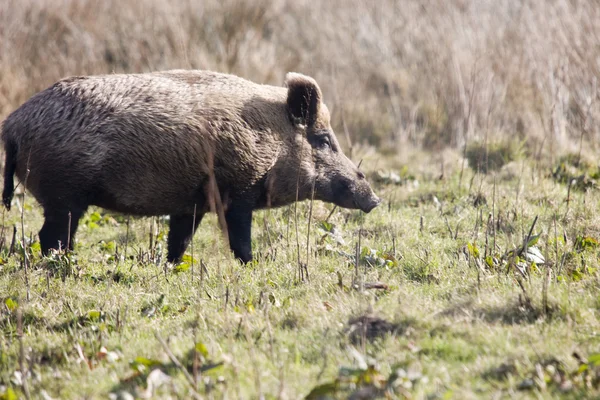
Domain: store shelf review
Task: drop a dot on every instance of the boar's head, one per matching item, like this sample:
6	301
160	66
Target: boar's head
336	179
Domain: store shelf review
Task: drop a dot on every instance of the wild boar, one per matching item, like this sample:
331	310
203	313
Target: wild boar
171	142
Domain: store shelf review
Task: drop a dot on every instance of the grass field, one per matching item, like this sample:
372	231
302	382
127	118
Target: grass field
444	302
477	123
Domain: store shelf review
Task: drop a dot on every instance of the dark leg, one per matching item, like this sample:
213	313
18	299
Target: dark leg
56	229
239	224
181	232
10	166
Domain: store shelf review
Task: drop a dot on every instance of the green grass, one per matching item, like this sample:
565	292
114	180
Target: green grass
450	324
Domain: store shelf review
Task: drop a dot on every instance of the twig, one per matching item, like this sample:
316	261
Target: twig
555	246
331	213
524	251
493	216
545	286
25	259
266	217
562	262
312	198
569	195
68	234
203	270
448	226
357	261
300	273
11	249
297	239
22	353
2	238
196	363
175	361
518	278
126	244
287	230
487	230
376	285
151	239
215	200
192	240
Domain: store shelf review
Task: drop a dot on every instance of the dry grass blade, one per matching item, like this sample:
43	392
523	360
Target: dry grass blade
176	362
24	372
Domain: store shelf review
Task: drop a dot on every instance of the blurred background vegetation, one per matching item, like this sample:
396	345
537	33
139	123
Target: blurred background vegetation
396	74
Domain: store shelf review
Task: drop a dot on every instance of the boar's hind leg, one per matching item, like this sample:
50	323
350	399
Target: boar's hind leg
181	232
56	228
239	223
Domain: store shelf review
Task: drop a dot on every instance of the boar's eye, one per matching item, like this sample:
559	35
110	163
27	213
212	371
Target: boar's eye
323	142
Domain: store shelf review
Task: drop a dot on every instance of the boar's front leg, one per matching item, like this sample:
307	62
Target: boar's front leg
56	228
181	231
239	223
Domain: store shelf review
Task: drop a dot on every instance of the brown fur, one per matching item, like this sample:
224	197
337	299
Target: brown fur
145	144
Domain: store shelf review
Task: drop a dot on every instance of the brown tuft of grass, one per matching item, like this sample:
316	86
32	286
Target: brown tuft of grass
486	158
370	327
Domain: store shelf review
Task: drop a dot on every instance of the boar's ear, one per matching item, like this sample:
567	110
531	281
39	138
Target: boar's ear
303	99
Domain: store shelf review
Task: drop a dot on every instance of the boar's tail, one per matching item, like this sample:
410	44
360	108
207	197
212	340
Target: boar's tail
10	165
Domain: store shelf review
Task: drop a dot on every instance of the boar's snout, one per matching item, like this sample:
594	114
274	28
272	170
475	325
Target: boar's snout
355	193
366	199
370	203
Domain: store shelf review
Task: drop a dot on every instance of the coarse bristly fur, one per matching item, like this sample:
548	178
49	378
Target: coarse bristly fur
159	143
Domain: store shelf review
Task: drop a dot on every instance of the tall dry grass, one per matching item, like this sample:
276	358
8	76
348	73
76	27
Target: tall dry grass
395	73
